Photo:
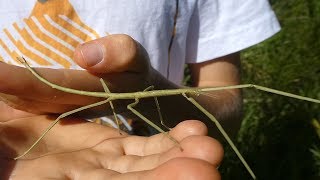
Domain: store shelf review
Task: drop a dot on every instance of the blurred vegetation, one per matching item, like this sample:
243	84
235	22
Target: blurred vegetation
279	136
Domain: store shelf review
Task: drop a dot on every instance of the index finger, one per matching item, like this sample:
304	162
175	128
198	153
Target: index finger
19	81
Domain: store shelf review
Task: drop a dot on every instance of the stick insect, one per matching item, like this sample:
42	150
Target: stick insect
147	93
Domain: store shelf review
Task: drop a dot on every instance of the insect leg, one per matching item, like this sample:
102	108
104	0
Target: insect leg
225	135
158	108
130	107
56	121
106	89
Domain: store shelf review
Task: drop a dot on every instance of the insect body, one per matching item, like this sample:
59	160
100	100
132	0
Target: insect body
187	92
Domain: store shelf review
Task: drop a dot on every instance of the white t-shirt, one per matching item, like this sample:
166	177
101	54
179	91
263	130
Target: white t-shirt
47	33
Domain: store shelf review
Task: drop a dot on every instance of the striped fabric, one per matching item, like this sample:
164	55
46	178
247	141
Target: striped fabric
48	38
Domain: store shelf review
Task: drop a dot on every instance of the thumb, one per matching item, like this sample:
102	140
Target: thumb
110	54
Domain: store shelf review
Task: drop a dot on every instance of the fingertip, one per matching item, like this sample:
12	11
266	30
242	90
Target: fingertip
204	148
189	128
199	147
113	53
77	57
89	54
185	168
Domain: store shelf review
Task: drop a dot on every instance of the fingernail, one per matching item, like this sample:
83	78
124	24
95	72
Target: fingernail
92	53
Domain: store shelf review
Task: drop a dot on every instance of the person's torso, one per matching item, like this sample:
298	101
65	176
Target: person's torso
47	32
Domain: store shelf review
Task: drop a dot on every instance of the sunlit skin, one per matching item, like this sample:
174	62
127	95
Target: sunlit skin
76	149
123	72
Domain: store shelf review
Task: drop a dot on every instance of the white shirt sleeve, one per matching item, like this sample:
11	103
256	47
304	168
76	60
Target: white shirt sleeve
221	27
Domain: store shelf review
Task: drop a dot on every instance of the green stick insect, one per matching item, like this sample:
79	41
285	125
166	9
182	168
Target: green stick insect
147	93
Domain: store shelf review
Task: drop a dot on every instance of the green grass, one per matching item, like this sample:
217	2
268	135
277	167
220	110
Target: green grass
277	136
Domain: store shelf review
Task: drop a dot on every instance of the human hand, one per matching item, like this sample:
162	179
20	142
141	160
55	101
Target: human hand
75	149
124	66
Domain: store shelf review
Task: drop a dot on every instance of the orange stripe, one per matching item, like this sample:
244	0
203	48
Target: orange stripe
77	20
54	8
69	27
13	54
57	32
47	39
25	51
2	60
36	58
44	50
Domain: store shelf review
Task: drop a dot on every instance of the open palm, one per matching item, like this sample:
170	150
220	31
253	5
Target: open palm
75	149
